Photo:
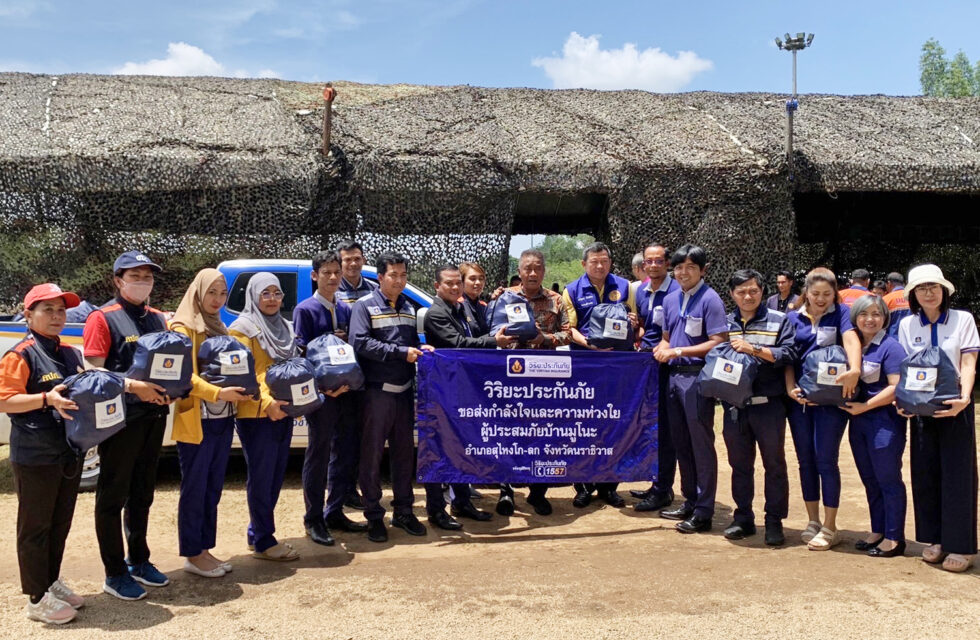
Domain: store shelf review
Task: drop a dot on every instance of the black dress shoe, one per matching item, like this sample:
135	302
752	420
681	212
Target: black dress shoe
354	501
774	533
319	534
410	524
653	502
442	521
474	494
505	504
340	522
469	511
643	494
582	499
613	499
864	545
737	531
377	531
541	505
680	513
694	524
878	552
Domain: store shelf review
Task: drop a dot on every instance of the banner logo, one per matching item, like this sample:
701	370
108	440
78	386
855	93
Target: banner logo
517	366
539	366
550	469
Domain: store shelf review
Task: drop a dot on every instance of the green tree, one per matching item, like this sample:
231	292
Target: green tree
933	68
959	80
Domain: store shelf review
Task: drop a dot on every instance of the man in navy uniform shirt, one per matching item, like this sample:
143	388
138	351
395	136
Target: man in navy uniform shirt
353	286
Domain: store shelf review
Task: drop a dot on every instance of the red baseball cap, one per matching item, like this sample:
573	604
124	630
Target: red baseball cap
50	291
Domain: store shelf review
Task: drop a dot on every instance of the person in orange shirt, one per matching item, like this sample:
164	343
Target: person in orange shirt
895	300
860	281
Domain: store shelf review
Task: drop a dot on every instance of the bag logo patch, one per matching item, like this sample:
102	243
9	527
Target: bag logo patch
166	367
109	413
727	371
616	329
233	363
302	393
827	373
516	312
921	379
340	354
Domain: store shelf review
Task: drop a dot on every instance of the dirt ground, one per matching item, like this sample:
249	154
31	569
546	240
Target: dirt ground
598	572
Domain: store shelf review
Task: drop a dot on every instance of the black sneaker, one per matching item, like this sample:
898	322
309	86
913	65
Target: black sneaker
409	523
377	531
739	531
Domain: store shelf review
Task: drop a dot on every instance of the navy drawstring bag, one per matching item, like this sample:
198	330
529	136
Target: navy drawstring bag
728	375
820	370
164	358
226	362
294	381
514	312
334	363
927	379
81	312
609	327
101	408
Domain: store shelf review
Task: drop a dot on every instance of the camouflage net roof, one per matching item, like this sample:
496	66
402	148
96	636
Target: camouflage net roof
195	170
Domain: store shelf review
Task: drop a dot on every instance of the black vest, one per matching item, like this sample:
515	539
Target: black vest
38	437
125	330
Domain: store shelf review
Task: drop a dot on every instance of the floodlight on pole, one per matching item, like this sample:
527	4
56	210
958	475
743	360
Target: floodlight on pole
800	42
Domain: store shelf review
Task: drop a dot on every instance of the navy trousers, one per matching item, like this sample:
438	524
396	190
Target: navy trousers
692	428
331	457
943	459
817	433
666	456
202	477
877	442
265	444
387	417
763	425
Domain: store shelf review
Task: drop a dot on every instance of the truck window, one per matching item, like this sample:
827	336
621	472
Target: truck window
236	295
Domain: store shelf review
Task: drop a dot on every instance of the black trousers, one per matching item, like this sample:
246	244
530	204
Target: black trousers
943	457
127	479
45	506
388	417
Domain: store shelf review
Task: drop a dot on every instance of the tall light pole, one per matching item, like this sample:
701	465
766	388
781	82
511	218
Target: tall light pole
800	42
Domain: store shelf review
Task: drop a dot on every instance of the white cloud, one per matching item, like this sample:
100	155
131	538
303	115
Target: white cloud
21	8
584	65
187	60
182	60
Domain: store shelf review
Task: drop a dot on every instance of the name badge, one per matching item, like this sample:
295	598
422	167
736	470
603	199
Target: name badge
826	336
921	379
870	371
693	326
827	373
340	354
658	316
727	371
233	363
303	393
516	312
166	367
109	413
616	329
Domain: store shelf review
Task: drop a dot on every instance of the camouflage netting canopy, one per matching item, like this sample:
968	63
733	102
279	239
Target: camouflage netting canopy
196	170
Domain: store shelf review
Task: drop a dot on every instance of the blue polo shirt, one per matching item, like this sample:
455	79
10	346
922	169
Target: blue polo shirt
690	318
881	357
650	306
829	331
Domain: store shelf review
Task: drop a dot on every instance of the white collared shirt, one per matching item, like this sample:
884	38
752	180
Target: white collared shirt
955	334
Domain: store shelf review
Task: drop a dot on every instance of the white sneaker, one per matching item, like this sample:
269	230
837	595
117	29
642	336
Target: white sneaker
61	591
51	610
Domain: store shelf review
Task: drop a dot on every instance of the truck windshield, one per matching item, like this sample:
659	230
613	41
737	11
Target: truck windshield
236	295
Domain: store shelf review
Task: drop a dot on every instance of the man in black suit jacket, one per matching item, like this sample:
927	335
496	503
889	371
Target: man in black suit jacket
445	327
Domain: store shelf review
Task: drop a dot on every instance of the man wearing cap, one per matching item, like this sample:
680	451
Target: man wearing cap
860	283
895	300
128	459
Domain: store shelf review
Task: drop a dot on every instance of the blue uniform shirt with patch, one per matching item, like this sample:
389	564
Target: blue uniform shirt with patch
829	331
650	305
690	319
882	357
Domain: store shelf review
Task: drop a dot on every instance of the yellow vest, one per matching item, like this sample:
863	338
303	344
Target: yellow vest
187	411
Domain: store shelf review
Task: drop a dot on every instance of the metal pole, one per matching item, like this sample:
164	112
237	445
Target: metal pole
794	74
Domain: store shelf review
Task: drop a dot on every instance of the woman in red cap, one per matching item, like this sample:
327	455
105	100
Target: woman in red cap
46	470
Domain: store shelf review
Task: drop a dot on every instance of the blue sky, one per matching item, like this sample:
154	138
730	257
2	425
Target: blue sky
861	46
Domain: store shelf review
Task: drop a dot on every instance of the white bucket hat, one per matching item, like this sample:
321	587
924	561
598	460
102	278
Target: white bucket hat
927	274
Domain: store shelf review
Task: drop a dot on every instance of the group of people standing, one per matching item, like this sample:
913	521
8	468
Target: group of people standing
678	318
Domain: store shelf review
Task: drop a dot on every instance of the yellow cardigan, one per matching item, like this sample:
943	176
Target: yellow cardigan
255	408
187	417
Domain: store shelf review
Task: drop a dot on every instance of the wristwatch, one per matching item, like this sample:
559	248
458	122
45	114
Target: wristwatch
677	352
756	349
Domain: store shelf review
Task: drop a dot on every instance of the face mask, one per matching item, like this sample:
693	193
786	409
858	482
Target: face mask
136	290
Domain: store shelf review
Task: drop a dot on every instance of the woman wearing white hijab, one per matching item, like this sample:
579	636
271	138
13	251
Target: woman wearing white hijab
263	428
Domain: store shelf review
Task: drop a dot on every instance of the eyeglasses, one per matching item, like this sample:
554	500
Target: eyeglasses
272	295
655	261
747	293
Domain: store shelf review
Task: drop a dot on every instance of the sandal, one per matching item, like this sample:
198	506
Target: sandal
282	552
812	529
824	540
934	554
958	562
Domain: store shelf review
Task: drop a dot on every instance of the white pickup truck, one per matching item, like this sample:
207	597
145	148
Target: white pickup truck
294	275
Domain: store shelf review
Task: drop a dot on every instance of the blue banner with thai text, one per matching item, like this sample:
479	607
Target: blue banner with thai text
487	416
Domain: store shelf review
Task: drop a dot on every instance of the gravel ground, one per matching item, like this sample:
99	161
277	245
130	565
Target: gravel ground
591	573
